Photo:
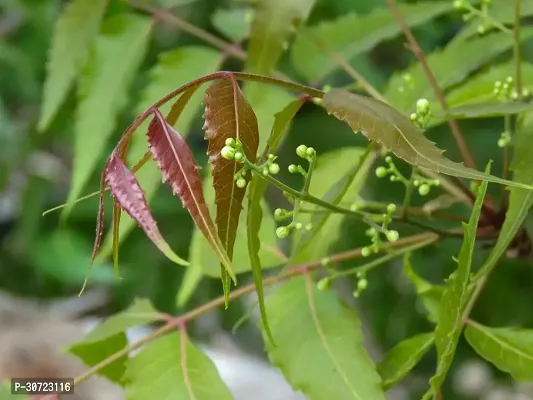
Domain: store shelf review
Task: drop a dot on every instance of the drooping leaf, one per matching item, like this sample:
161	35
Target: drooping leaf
509	349
455	298
281	125
75	30
492	109
352	165
141	312
429	294
174	68
127	192
403	357
273	24
172	367
233	23
342	38
520	200
103	93
91	353
228	115
319	344
179	169
383	124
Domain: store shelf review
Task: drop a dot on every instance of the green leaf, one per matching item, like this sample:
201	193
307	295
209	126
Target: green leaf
74	32
455	298
172	368
111	68
141	312
314	244
319	344
5	392
233	23
273	24
174	68
429	294
492	109
451	66
403	357
509	349
92	353
520	200
382	123
282	123
342	38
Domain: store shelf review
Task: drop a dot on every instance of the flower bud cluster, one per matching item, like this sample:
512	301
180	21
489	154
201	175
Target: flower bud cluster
391	171
307	153
423	113
362	284
407	82
374	233
471	12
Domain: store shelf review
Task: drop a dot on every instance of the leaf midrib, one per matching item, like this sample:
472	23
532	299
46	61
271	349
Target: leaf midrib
501	342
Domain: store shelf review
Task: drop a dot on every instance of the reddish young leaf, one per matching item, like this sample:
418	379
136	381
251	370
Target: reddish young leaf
228	115
127	192
180	171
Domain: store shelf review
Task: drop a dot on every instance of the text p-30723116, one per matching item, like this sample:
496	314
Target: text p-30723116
33	386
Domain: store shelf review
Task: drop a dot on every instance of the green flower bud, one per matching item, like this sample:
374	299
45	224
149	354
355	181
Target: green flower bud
481	29
239	156
391	208
265	171
362	284
301	151
392	236
310	152
326	262
326	88
365	251
354	207
309	226
273	169
293	169
230	142
381	172
241	183
393	178
228	153
370	232
282	232
298	225
271	157
323	284
423	189
388	160
413	117
416	182
422	106
502	143
509	79
355	294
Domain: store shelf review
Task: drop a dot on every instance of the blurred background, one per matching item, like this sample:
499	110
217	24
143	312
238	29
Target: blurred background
44	259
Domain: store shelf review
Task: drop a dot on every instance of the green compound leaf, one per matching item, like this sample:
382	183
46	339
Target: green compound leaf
341	36
118	53
403	357
75	30
455	298
383	124
509	349
171	367
319	344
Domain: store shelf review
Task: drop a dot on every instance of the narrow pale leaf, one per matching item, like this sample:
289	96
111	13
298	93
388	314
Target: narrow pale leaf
273	24
118	52
342	38
484	110
127	192
171	367
75	30
282	121
319	344
180	171
509	349
455	298
383	124
403	357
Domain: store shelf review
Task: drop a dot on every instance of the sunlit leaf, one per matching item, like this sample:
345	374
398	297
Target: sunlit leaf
319	344
233	23
228	115
342	38
383	124
455	298
273	24
492	109
509	349
118	52
179	169
403	357
75	30
171	367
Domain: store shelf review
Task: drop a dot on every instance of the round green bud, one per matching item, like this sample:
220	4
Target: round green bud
407	77
326	262
355	294
413	117
293	169
498	84
391	208
310	152
457	4
230	142
392	236
326	88
309	226
271	157
362	284
393	178
365	251
228	153
273	169
301	151
502	143
279	214
323	284
354	207
282	232
381	172
239	156
509	79
388	160
265	171
298	225
422	106
370	232
436	183
423	189
481	29
416	182
241	183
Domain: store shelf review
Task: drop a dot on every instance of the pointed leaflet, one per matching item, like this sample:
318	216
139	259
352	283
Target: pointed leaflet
455	298
520	200
320	344
118	52
341	37
171	367
509	349
489	109
273	23
127	192
228	115
73	34
403	357
178	167
383	124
